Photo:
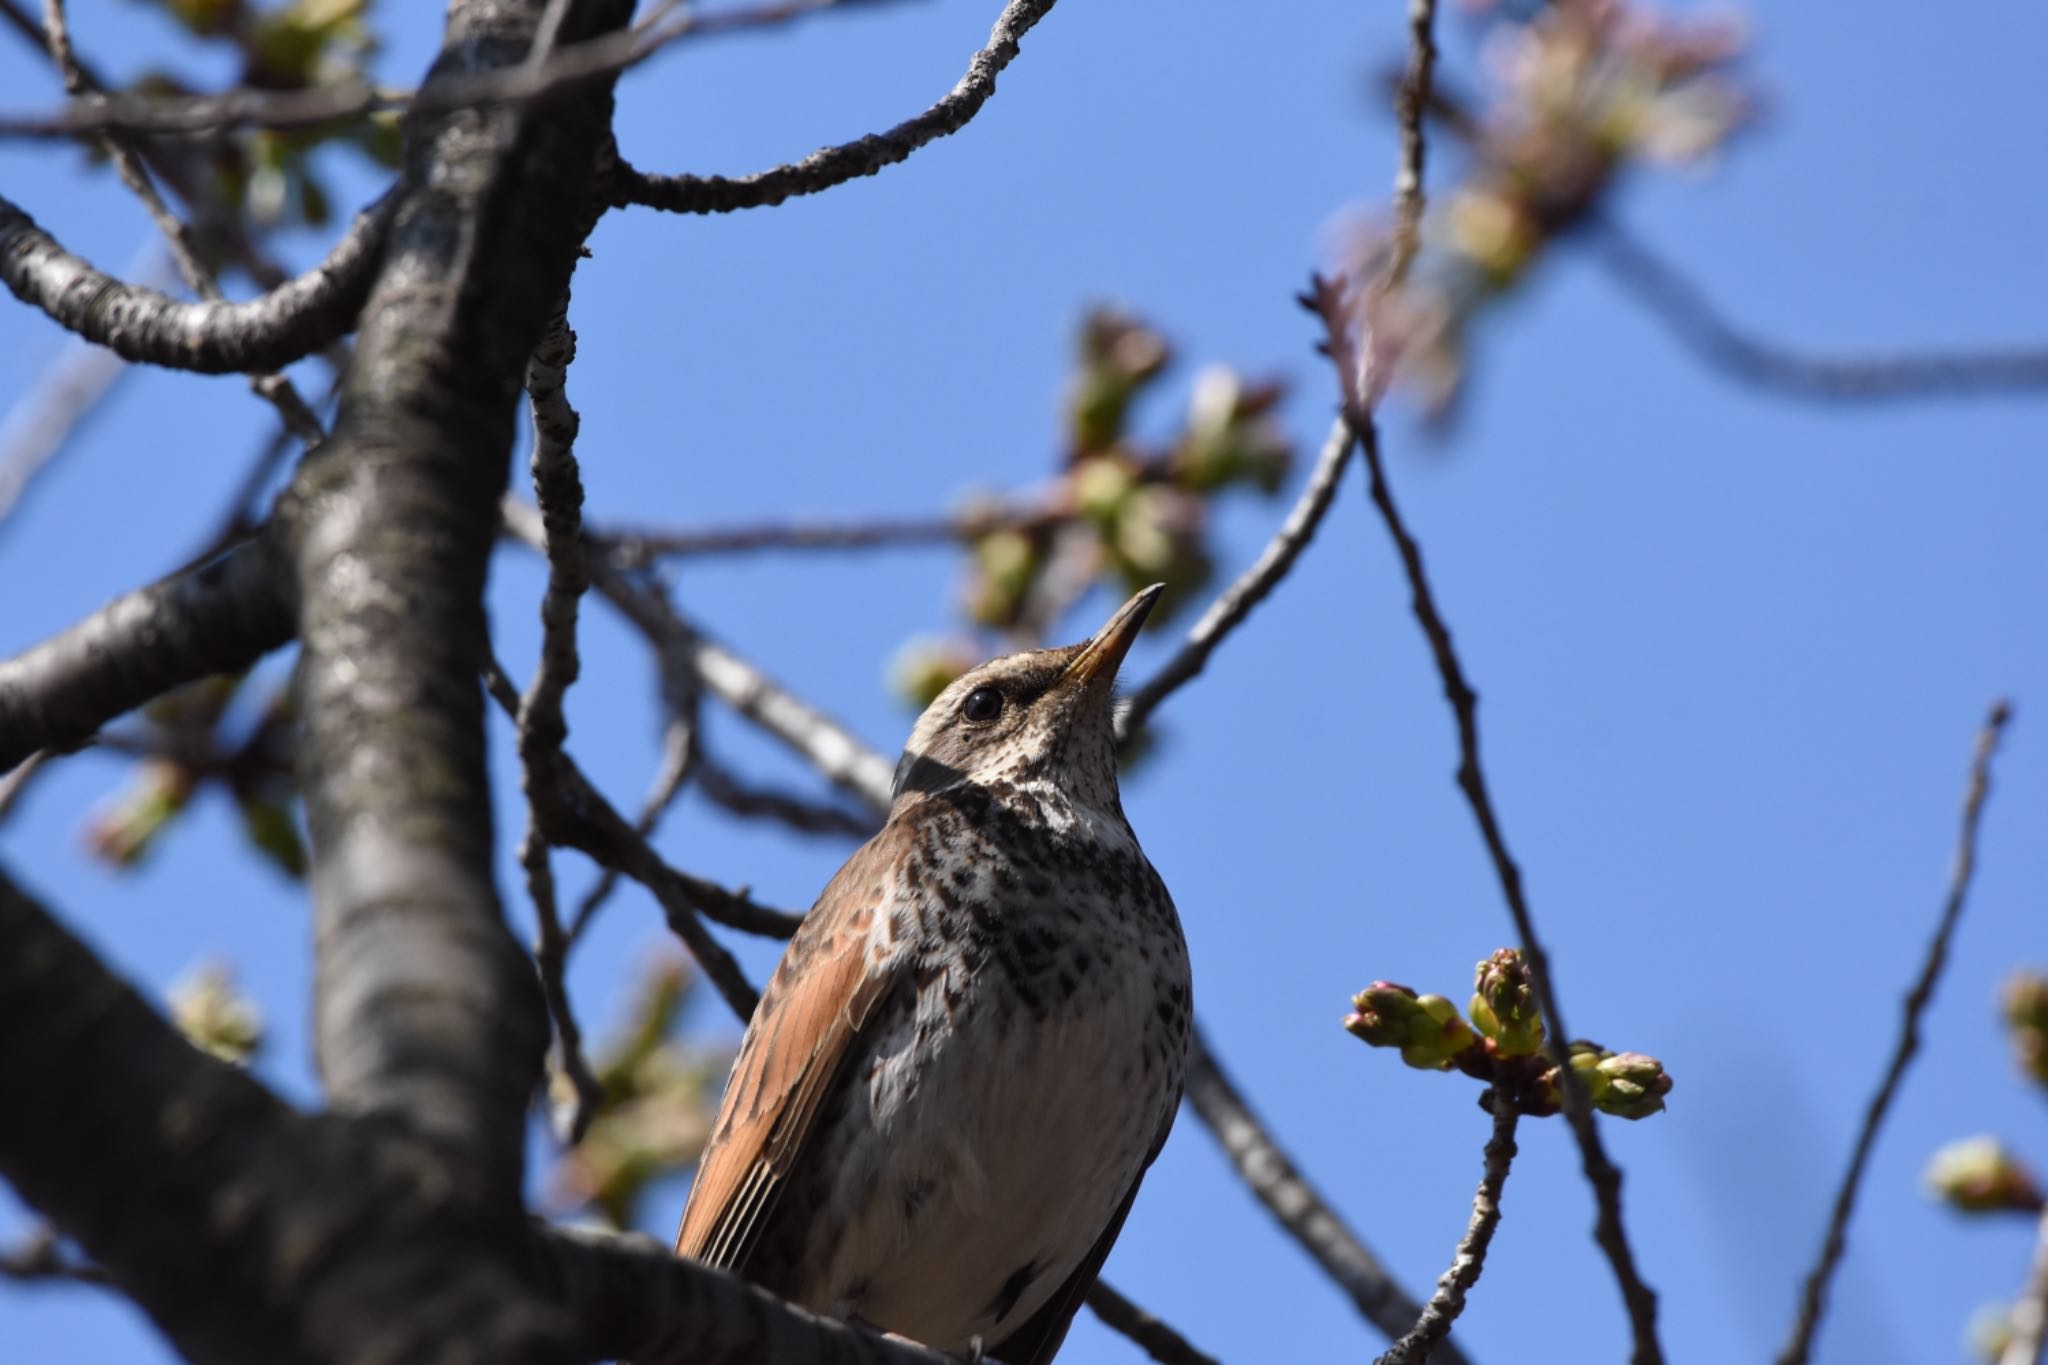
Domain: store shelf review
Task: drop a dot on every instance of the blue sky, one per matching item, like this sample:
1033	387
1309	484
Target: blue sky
1732	648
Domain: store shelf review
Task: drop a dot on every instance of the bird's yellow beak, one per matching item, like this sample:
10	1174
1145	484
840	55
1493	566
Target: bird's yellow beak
1104	654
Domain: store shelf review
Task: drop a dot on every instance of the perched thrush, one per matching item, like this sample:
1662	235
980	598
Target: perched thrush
974	1045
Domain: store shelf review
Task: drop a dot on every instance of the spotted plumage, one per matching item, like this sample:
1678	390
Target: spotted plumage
974	1046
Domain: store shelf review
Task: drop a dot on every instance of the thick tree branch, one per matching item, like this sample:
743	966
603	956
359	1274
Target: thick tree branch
426	1009
1422	1340
830	166
1813	1295
249	1233
1685	308
286	324
253	1234
1300	1208
218	618
635	1300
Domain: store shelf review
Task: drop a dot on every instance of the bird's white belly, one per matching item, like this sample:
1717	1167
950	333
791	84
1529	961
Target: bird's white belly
1004	1142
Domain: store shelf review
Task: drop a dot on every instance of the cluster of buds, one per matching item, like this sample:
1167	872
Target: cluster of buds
1428	1029
299	45
182	746
659	1101
1980	1175
216	1017
1121	509
1581	90
1628	1085
2024	1003
1503	1043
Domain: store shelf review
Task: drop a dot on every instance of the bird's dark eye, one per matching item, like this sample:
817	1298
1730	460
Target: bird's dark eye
983	704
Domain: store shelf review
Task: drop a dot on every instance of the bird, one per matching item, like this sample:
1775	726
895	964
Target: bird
974	1045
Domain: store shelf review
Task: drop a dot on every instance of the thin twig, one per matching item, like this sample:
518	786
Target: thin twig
1151	1335
1813	1296
831	166
1605	1177
631	548
15	781
530	82
1357	391
41	1257
1411	102
2028	1344
821	741
580	817
729	792
678	761
1303	1213
59	401
1685	308
541	726
1448	1301
273	389
1235	603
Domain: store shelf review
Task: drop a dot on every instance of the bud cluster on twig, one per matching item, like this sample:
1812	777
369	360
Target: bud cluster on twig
1982	1175
1580	92
1500	1040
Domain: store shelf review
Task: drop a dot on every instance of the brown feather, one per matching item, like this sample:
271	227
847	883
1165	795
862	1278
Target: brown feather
804	1031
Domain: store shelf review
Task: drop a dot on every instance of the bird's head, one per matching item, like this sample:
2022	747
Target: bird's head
1041	718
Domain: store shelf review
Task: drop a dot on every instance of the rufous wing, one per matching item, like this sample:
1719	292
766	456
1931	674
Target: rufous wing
804	1033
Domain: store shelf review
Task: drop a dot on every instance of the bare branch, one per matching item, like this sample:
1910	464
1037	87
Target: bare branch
1685	308
631	548
824	743
606	55
731	793
265	333
1411	103
1448	1301
218	618
41	1257
1813	1296
830	166
274	389
2029	1317
541	726
1155	1338
15	782
1605	1178
1235	603
57	402
678	759
575	814
635	1300
1300	1208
